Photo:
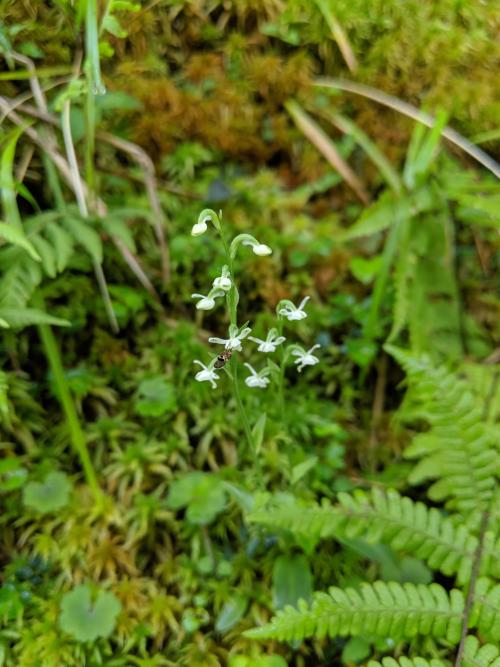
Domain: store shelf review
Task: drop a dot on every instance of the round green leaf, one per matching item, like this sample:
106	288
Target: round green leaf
86	619
49	495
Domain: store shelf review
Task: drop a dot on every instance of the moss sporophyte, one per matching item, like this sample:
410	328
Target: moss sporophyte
225	286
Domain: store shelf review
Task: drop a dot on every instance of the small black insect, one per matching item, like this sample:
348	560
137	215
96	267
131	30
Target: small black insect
223	358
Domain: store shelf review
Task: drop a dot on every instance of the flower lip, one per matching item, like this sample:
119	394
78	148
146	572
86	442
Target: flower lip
257	379
234	340
207	302
271	343
305	358
293	312
207	374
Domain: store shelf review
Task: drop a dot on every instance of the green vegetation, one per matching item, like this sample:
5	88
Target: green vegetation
249	392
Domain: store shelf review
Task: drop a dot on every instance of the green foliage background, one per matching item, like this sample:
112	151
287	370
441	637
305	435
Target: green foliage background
184	542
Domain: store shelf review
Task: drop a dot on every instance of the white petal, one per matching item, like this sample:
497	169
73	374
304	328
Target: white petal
303	302
219	341
205	304
222	283
199	228
262	249
256	340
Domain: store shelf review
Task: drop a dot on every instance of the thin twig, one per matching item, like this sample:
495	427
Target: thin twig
469	601
409	110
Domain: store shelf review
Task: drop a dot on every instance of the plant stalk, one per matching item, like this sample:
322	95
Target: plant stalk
77	436
233	318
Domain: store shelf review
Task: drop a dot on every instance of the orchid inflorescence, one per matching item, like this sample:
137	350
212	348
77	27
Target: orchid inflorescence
224	286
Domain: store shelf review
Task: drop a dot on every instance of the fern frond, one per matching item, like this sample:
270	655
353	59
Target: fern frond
480	656
459	450
386	516
388	661
380	609
485	613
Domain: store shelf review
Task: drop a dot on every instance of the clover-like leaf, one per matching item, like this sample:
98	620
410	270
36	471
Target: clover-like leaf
12	474
156	397
49	495
203	495
86	619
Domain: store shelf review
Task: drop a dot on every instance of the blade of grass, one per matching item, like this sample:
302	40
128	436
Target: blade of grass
326	147
92	48
7	184
338	34
371	149
412	112
43	72
76	433
82	206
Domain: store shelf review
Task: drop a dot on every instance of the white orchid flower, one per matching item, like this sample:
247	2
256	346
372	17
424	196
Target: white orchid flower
257	379
207	302
305	358
223	281
199	228
260	249
292	312
207	374
234	340
206	216
271	343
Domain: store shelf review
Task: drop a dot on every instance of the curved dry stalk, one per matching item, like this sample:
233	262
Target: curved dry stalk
149	175
64	169
84	212
412	112
327	148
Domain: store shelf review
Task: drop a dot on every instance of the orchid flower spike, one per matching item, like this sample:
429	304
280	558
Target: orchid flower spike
257	379
292	312
223	281
234	340
305	358
271	343
260	249
207	302
208	373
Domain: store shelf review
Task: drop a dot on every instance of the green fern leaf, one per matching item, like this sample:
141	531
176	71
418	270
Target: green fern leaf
485	615
23	317
480	656
406	662
386	516
63	244
459	451
86	236
20	278
16	236
46	252
380	609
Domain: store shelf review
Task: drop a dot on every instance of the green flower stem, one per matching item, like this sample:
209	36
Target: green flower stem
232	307
281	377
77	436
239	402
